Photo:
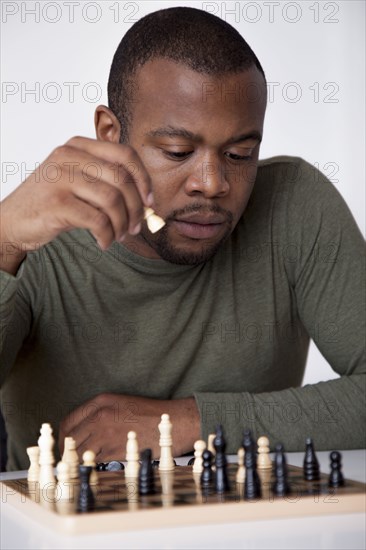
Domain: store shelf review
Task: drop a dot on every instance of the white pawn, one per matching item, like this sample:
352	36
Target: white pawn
240	474
46	457
89	460
263	461
166	462
199	447
132	456
63	490
33	472
70	456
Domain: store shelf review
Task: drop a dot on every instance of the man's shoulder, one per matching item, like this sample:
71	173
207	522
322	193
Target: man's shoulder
289	176
277	160
286	169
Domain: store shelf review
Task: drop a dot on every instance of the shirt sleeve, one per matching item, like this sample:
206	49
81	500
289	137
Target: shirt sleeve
327	278
17	293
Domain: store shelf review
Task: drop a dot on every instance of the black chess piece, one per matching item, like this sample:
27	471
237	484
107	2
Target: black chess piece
114	466
336	478
207	475
100	467
86	501
311	464
191	461
146	480
248	441
281	486
221	477
252	484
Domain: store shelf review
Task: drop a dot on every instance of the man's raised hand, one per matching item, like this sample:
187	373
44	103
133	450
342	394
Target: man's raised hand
86	183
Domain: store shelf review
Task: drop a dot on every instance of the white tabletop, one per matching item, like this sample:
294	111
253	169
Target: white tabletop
326	532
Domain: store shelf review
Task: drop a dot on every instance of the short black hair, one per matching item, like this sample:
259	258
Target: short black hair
194	37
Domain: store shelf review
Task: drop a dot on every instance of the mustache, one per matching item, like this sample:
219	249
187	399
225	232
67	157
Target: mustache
199	208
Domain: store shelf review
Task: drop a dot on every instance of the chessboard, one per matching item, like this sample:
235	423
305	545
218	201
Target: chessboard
179	500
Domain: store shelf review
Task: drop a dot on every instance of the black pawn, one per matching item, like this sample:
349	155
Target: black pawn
86	501
146	479
281	486
336	478
221	478
311	464
207	475
252	484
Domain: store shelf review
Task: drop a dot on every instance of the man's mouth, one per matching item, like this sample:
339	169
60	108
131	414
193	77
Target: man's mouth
199	226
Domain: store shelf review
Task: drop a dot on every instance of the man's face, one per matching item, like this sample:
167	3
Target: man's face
198	137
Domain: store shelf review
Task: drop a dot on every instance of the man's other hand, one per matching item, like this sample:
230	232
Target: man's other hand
102	423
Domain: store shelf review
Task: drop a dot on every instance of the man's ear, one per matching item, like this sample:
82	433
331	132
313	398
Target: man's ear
107	126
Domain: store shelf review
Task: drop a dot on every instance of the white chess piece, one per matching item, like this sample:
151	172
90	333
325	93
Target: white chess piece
63	488
132	456
263	461
33	472
166	462
46	458
240	474
199	447
89	460
167	492
70	456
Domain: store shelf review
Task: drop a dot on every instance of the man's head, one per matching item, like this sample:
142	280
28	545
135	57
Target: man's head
189	95
193	37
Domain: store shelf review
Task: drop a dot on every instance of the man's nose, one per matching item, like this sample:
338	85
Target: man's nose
209	179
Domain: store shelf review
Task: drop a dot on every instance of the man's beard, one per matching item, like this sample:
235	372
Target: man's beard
161	243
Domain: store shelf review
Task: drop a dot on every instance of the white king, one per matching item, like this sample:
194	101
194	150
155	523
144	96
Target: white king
166	462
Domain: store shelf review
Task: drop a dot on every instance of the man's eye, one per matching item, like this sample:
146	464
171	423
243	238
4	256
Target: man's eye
177	154
232	156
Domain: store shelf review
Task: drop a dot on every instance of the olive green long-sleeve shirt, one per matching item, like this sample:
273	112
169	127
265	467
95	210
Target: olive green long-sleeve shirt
232	332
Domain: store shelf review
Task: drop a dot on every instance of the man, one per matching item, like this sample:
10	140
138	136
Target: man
106	325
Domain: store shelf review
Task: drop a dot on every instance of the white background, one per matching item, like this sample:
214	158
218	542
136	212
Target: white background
313	54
